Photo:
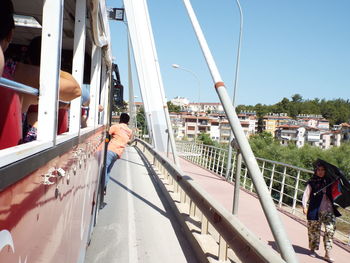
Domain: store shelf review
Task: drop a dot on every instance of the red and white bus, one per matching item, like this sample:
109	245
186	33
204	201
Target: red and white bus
50	187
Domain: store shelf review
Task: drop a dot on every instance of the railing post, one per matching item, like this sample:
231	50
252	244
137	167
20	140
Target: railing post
197	154
282	187
263	168
192	210
296	193
237	183
182	196
208	160
216	163
204	225
233	165
251	186
213	159
203	156
245	177
190	152
222	162
222	249
271	178
193	152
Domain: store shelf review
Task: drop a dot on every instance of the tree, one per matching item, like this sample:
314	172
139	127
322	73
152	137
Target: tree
205	138
283	105
141	121
172	107
297	98
119	107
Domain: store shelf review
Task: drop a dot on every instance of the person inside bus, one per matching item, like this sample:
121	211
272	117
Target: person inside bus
10	106
31	120
121	135
85	102
14	104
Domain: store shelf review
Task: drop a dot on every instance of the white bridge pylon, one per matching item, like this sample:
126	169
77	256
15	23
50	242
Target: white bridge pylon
148	72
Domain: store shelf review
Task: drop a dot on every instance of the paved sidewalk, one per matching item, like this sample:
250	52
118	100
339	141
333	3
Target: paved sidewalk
252	215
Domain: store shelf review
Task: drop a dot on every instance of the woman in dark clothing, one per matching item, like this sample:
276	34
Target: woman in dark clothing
321	210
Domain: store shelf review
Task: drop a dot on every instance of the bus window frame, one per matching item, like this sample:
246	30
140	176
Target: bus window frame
51	49
95	85
52	32
78	63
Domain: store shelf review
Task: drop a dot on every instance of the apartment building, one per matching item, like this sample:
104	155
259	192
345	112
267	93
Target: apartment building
225	130
287	133
178	125
273	120
249	122
194	125
215	129
182	102
312	120
344	129
207	107
209	118
313	136
330	139
301	135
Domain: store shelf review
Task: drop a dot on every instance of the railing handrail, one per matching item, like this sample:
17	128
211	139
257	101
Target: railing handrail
238	237
258	158
286	165
18	87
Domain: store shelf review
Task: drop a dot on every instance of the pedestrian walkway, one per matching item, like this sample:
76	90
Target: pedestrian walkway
251	214
135	224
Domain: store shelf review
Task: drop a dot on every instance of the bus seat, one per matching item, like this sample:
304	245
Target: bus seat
62	121
10	117
62	124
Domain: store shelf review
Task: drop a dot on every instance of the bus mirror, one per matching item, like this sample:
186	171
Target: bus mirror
118	94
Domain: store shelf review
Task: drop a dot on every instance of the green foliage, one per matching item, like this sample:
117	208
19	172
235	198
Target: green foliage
336	111
205	138
172	107
268	148
141	121
119	108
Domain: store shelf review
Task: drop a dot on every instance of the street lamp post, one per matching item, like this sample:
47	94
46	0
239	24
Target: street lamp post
199	94
239	154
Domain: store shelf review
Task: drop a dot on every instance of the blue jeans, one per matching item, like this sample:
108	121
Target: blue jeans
111	157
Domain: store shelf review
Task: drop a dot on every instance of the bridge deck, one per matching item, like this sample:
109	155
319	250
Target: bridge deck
137	226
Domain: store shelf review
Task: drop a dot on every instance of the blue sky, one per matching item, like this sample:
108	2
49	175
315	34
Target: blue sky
288	47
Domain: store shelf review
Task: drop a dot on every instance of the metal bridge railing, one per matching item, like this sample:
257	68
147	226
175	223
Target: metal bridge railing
285	182
232	238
